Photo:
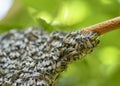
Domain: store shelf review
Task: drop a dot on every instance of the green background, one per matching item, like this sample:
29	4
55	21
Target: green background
102	67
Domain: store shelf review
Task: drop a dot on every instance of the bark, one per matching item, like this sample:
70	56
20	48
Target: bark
105	26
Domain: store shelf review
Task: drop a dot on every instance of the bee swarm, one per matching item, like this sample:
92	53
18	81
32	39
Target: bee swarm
33	57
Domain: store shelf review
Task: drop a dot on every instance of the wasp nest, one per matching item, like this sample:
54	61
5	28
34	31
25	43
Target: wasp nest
33	57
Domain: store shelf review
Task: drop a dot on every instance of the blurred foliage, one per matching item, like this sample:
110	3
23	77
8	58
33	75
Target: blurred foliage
102	67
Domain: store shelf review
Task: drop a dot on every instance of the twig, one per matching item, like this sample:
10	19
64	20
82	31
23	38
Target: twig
105	26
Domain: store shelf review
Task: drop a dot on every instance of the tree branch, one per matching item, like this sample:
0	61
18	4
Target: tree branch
105	26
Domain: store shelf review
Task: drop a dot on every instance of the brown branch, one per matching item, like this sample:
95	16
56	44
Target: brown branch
105	26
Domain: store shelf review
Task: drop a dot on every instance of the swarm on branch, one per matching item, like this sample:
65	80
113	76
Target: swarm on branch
33	57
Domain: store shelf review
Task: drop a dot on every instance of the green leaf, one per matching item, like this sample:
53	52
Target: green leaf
43	5
45	25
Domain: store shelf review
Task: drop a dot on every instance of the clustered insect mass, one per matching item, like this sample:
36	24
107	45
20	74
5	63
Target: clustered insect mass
32	57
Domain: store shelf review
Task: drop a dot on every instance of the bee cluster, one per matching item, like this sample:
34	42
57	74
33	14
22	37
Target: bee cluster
33	57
